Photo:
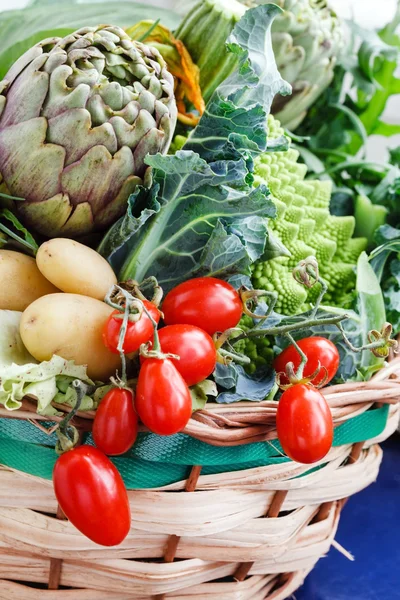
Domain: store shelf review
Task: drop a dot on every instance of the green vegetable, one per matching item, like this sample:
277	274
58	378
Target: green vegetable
368	217
21	375
102	103
333	139
201	216
204	32
38	380
387	271
305	227
371	307
306	38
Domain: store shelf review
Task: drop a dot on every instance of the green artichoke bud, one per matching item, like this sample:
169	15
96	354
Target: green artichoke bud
77	118
307	38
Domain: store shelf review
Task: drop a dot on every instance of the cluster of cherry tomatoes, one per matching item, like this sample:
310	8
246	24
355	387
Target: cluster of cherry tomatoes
88	486
192	312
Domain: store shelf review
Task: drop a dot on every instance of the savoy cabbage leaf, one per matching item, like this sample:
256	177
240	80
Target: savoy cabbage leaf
200	215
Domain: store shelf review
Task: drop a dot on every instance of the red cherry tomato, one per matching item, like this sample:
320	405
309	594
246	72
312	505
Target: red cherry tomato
115	425
304	424
92	495
206	302
137	333
316	349
163	401
195	347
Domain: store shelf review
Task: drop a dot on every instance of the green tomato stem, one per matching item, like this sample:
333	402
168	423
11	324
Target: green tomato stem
68	436
324	289
283	330
300	370
156	339
237	358
371	346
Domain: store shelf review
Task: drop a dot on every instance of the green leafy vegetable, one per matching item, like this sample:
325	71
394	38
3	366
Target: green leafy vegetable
187	236
371	307
391	292
388	241
38	380
253	388
199	215
347	114
200	393
388	272
368	217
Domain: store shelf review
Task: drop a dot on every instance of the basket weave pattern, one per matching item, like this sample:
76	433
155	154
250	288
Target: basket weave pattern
244	535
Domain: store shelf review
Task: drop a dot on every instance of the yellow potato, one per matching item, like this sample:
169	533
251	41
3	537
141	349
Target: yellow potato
21	282
70	326
75	268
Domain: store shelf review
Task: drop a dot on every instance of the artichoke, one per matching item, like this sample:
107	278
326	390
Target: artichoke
307	38
77	118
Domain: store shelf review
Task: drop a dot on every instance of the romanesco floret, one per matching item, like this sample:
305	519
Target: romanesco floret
306	227
259	350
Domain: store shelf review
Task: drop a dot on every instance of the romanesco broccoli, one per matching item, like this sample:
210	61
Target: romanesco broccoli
259	350
306	227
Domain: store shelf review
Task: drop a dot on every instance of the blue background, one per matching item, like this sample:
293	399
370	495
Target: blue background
370	530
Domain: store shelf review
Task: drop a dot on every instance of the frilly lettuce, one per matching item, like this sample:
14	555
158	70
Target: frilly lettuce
21	376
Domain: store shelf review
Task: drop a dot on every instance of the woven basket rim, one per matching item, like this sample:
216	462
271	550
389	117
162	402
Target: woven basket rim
249	422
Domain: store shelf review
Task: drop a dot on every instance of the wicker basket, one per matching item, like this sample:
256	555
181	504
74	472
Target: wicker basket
206	537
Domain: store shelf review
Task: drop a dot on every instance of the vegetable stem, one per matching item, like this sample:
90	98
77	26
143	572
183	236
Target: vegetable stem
283	330
68	436
303	356
237	358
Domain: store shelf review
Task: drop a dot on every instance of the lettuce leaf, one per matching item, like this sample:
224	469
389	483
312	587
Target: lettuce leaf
37	380
201	216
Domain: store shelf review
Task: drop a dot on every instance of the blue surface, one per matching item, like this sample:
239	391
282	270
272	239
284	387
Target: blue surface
370	529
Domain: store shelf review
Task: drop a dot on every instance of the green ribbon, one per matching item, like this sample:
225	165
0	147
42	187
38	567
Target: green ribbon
156	461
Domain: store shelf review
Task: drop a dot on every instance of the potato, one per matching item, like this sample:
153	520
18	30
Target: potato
71	326
21	282
75	268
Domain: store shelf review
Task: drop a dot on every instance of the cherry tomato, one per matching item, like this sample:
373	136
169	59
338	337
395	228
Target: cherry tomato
115	425
92	495
163	400
195	347
206	302
137	333
316	349
304	424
